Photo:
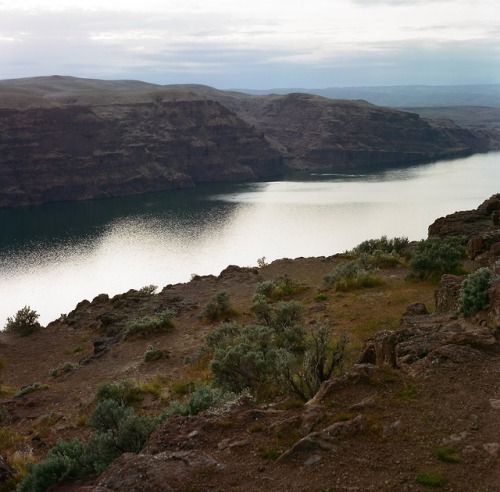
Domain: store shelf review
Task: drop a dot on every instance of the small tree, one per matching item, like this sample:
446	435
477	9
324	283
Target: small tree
24	322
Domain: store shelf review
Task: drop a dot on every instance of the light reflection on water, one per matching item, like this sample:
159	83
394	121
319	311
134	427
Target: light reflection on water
53	256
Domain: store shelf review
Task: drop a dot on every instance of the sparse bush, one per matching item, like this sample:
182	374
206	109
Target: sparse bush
371	246
124	392
435	256
474	292
200	399
354	274
250	362
161	323
63	368
151	354
266	288
29	389
321	359
261	262
24	322
148	289
116	430
218	307
261	308
287	314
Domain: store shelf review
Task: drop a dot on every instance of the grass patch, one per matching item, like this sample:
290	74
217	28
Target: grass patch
269	453
153	354
25	390
63	368
161	323
430	479
448	454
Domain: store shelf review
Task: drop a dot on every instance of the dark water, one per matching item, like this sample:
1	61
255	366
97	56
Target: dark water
55	255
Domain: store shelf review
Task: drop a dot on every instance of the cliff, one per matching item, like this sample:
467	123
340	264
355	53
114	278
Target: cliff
63	138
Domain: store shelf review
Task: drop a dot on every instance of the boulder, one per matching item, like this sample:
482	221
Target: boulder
447	293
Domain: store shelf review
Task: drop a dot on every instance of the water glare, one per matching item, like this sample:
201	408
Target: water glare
53	256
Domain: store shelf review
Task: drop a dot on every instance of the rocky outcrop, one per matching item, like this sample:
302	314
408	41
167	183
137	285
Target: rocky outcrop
63	138
468	223
331	134
75	152
423	340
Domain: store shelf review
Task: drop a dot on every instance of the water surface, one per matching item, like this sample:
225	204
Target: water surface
55	255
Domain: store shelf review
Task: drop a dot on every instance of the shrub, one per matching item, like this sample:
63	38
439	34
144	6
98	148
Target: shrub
266	288
24	322
63	368
434	257
151	354
218	307
200	399
251	361
354	274
116	430
124	392
148	325
321	359
383	245
474	292
29	389
261	308
148	289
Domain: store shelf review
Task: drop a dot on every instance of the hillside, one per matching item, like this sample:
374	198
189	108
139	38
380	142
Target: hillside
418	401
63	138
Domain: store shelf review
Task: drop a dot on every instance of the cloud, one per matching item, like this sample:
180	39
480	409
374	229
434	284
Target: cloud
328	46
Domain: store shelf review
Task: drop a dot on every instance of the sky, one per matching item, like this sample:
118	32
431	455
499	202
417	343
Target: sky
257	44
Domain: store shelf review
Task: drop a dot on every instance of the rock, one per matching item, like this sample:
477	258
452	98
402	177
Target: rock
327	439
357	373
447	293
492	448
368	402
391	429
147	473
495	404
315	458
423	340
347	428
416	309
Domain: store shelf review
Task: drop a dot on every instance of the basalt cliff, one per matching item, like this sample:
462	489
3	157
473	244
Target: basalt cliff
63	138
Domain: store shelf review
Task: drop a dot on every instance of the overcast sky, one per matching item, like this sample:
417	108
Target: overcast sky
258	44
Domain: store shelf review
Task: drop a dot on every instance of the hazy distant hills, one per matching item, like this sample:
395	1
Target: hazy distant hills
407	95
64	138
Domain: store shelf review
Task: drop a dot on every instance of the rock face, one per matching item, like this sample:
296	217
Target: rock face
331	134
63	138
75	152
468	223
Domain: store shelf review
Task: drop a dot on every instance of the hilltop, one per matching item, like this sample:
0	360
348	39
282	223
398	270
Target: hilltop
64	138
418	401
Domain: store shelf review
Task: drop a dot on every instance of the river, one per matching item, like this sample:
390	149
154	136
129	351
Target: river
55	255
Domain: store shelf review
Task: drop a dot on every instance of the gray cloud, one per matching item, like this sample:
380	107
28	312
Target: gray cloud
240	53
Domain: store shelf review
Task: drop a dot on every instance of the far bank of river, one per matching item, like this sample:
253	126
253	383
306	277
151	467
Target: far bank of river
55	255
